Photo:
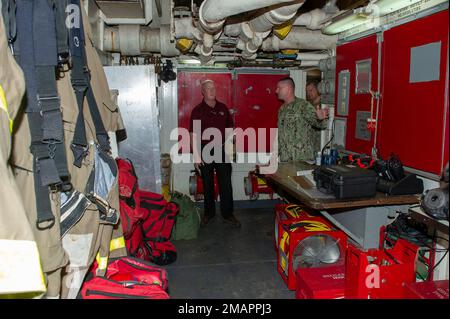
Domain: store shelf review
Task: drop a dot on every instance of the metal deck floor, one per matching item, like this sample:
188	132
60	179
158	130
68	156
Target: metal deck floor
224	262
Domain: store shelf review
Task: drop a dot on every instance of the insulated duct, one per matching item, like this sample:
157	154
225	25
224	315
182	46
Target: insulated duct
301	38
312	56
256	30
312	20
213	13
184	28
134	40
274	17
147	13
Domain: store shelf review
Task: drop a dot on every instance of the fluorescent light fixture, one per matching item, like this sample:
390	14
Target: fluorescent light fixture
189	61
345	21
389	6
353	18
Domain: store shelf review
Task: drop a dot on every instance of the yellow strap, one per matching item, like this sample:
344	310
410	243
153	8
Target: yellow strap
117	243
4	106
102	261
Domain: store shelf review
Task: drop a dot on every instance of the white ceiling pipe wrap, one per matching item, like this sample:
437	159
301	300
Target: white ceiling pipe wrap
260	27
206	47
312	56
313	20
301	38
124	39
276	16
232	30
212	13
129	39
184	28
148	16
309	63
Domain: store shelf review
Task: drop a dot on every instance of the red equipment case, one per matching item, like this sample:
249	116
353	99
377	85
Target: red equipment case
292	232
321	282
427	290
380	273
287	213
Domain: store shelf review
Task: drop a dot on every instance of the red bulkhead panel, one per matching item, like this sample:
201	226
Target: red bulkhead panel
190	93
250	98
257	106
413	119
362	52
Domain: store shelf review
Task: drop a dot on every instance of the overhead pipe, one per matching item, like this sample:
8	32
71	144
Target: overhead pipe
148	16
312	56
276	16
212	13
301	38
309	63
135	40
313	20
185	28
257	29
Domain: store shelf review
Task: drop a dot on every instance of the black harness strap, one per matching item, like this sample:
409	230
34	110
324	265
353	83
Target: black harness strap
36	34
81	83
9	13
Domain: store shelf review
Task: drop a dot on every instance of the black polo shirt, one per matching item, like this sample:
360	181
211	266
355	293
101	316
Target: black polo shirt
218	117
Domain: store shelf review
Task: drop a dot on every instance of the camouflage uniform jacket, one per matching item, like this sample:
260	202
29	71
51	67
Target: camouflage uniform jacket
298	131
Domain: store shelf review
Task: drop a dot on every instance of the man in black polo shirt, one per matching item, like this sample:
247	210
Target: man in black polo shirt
211	113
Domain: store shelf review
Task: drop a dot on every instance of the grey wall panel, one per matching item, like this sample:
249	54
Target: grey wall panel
425	63
138	106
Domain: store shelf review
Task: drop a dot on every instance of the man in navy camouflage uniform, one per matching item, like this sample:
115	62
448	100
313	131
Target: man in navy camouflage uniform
298	122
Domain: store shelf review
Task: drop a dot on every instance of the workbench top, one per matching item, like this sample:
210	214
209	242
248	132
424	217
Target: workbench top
296	179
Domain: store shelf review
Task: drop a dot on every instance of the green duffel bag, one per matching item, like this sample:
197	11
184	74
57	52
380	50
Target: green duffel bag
187	222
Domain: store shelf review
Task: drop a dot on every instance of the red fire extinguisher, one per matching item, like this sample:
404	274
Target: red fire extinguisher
255	185
196	186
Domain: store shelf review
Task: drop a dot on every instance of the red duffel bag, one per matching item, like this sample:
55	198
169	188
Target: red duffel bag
127	278
130	209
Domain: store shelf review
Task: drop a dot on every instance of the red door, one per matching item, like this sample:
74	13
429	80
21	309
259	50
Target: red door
360	59
257	106
414	113
250	97
190	94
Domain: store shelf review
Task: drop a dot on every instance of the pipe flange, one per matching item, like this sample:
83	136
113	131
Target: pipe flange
206	51
246	32
277	18
249	55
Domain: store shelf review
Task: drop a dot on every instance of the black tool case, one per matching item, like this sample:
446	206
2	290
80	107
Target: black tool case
346	181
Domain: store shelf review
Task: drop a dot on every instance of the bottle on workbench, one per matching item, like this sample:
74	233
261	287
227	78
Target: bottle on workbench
318	158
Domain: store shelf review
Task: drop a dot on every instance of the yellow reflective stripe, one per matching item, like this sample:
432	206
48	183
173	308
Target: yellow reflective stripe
260	181
4	106
284	241
101	261
117	243
20	268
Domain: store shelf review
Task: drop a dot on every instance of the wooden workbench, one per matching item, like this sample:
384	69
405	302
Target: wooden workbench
360	218
303	189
